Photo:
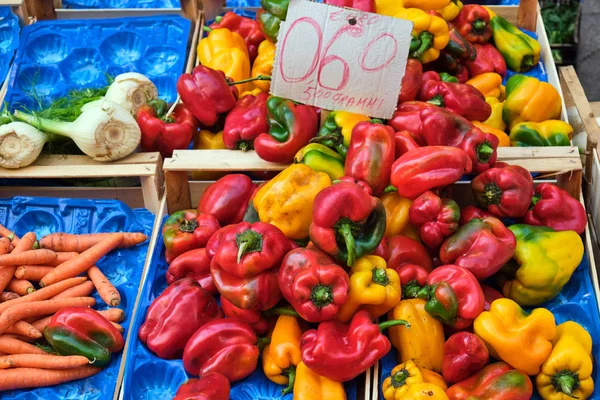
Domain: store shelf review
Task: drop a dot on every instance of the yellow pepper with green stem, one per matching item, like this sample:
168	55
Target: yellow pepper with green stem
396	220
548	133
281	356
391	7
430	34
451	11
311	386
336	131
488	83
321	159
263	64
530	100
407	380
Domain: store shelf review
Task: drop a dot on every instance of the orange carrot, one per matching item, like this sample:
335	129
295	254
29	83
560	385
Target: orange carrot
113	314
4	246
10	235
80	243
27	242
6	296
32	272
40	324
25	378
11	345
22	328
21	287
61	257
82	262
8	271
106	290
43	294
82	290
45	307
118	327
48	361
29	257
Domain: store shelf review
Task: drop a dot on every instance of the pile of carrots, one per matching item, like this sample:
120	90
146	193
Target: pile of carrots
55	263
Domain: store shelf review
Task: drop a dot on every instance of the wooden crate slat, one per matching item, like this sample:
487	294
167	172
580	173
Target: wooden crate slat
219	160
82	171
55	160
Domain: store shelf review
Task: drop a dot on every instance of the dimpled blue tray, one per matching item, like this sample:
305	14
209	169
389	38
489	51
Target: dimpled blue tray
9	39
123	267
576	302
57	56
148	377
91	4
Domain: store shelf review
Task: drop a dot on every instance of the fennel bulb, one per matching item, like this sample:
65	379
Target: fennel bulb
20	144
130	90
105	132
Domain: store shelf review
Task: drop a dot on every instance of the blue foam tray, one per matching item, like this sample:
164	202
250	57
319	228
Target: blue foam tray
576	302
57	56
9	39
148	377
93	4
123	267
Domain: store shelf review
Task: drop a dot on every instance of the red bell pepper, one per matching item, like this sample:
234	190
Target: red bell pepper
360	183
473	22
194	264
471	212
505	190
187	230
490	295
227	199
227	346
459	98
350	232
291	126
413	278
405	142
464	355
206	93
166	134
371	154
175	315
429	168
313	284
436	218
404	250
430	125
341	352
411	82
362	5
247	28
488	59
256	319
245	122
496	381
459	46
555	208
482	246
210	386
481	147
382	250
462	74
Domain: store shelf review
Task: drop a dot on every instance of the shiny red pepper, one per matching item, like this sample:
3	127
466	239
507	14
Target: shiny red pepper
227	346
488	59
175	315
313	284
341	352
436	218
471	212
464	355
166	134
210	386
482	148
405	142
371	154
360	183
247	28
227	199
490	295
411	82
194	264
504	190
256	319
362	5
245	122
404	250
496	381
473	22
555	208
187	230
412	277
429	168
482	246
206	93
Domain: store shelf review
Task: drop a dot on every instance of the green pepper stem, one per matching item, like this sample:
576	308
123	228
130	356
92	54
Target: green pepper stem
282	311
484	152
566	382
527	63
336	139
188	225
291	373
380	277
321	295
412	290
218	19
399	378
421	44
535	199
492	193
390	189
346	231
394	322
262	342
437	100
376	121
244	145
160	106
256	78
248	242
479	25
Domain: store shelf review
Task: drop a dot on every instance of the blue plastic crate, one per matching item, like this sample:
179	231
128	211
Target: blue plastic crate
111	4
9	39
57	56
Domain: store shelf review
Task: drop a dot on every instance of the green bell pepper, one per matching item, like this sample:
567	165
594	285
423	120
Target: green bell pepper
321	159
547	133
270	16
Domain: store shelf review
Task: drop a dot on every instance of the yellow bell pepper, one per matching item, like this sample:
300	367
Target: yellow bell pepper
373	287
430	34
253	92
489	10
504	140
311	386
434	378
286	201
206	140
489	84
529	100
521	339
451	11
391	7
424	341
548	133
402	377
425	391
336	131
282	355
263	64
495	120
566	374
396	220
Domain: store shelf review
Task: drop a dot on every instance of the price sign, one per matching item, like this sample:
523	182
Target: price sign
341	59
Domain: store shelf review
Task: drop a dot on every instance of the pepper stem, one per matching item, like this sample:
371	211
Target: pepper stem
421	44
282	311
376	121
256	78
412	290
218	19
336	139
346	231
390	189
262	342
244	145
248	242
479	25
321	295
437	100
566	382
400	377
527	63
188	225
492	193
394	322
380	277
484	152
535	199
291	373
207	29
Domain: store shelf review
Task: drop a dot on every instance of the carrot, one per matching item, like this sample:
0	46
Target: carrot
43	294
22	328
61	257
32	272
106	290
4	246
48	361
27	242
11	345
45	307
24	378
83	261
80	243
40	324
29	257
21	287
82	290
6	296
118	327
8	271
113	314
10	235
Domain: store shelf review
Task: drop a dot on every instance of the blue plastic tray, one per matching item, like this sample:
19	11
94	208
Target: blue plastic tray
123	267
9	39
576	302
57	56
91	4
148	377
